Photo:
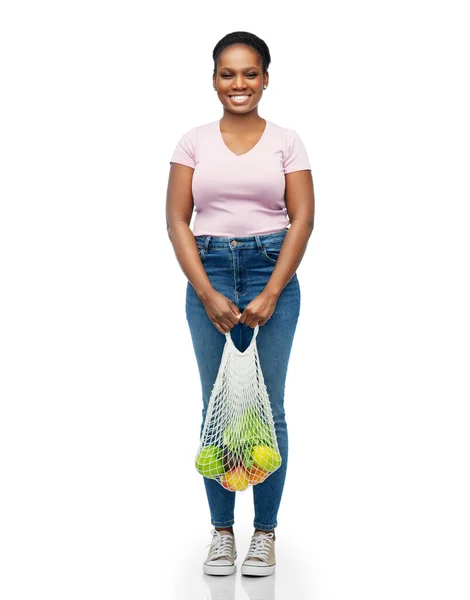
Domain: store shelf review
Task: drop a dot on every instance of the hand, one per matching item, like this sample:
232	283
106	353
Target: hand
259	310
222	312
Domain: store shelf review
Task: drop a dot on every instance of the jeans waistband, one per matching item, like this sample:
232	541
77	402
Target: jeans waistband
251	241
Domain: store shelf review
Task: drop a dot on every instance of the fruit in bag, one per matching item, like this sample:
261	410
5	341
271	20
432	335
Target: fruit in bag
238	441
229	459
236	480
256	475
266	458
209	462
249	429
247	458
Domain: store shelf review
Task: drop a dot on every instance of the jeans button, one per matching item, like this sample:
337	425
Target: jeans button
234	243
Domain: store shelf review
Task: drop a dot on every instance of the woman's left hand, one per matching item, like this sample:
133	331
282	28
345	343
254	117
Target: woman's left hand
259	310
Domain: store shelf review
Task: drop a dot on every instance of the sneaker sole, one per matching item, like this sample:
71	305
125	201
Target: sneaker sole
221	569
257	571
225	570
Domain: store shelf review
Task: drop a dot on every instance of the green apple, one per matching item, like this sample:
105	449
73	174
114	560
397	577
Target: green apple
209	462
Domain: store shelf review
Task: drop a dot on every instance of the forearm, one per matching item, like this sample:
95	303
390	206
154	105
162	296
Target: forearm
184	245
291	254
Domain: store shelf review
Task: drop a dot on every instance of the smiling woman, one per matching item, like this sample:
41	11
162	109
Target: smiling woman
249	181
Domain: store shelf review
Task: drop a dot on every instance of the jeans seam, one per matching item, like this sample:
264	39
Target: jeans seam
223	523
263	526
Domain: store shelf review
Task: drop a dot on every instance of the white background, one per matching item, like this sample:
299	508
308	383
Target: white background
100	394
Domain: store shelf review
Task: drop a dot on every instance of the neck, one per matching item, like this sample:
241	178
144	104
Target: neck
241	123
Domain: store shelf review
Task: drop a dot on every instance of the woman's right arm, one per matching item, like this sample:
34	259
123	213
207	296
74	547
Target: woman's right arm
179	210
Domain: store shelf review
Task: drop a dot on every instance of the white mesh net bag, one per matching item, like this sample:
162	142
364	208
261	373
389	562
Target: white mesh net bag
238	445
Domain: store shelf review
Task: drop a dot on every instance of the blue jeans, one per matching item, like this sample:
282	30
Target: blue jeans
240	271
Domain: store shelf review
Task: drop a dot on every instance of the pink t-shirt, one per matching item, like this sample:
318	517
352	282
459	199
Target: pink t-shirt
240	195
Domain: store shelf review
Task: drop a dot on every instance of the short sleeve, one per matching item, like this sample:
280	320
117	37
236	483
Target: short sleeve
185	151
295	155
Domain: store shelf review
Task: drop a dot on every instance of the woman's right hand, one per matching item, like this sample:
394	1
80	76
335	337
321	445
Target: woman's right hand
222	312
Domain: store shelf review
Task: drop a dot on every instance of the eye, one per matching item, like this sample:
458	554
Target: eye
225	75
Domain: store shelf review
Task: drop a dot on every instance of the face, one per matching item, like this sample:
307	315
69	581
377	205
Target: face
239	73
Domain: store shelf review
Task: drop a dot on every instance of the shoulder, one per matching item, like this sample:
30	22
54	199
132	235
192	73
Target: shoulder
286	137
191	143
294	154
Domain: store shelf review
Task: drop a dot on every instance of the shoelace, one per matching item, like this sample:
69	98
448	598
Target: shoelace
222	545
259	546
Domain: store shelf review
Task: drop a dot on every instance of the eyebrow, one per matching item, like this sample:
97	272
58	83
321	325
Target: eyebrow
246	68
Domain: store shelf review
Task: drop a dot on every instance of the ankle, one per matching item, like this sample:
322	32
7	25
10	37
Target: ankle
230	529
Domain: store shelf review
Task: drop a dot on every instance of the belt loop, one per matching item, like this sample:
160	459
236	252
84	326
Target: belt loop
258	243
206	242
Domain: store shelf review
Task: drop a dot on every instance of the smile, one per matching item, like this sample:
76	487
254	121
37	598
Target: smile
239	99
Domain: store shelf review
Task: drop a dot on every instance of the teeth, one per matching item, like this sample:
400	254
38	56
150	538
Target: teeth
239	97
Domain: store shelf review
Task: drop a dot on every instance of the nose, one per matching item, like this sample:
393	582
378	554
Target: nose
238	83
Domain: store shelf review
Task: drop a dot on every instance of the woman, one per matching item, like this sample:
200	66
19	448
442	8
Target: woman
248	179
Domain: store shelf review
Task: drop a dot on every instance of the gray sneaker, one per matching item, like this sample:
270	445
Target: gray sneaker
222	554
261	558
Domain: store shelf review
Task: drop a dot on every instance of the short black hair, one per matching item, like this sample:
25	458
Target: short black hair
246	38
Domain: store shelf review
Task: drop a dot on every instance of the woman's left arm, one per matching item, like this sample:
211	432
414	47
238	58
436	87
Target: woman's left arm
300	205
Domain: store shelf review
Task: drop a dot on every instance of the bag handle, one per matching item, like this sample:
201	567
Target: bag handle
229	341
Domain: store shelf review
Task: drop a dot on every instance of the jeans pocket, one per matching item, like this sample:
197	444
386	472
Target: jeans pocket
271	253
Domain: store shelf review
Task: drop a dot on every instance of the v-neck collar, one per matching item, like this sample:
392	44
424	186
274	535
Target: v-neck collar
219	132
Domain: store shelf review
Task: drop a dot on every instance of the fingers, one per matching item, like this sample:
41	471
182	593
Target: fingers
235	310
250	321
233	319
227	322
219	328
235	314
230	319
253	321
224	323
224	326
